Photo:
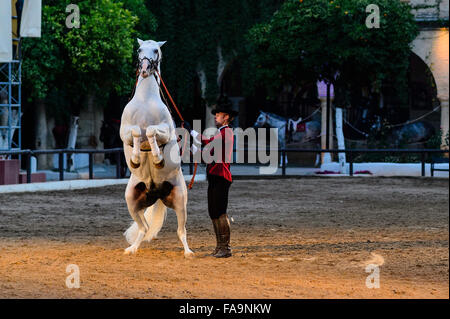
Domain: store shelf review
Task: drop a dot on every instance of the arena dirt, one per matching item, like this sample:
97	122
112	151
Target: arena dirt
291	238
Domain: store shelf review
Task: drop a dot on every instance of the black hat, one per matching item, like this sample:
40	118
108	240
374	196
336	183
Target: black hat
224	105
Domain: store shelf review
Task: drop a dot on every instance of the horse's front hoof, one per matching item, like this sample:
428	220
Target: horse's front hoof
134	165
160	164
189	254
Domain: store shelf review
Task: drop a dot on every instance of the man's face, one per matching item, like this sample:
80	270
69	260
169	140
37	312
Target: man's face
221	119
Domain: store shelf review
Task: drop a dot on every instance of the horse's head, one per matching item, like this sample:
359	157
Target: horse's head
261	120
149	55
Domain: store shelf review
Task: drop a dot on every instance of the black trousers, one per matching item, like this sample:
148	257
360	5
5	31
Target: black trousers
218	188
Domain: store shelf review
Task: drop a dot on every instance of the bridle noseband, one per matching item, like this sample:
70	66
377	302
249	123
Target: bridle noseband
152	64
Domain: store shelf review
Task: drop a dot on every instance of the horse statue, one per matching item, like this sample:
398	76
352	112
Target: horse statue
152	155
298	131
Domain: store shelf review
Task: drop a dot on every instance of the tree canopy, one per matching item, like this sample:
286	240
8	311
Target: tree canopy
89	59
304	40
194	30
309	40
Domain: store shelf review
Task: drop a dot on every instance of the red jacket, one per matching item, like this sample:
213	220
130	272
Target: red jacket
221	168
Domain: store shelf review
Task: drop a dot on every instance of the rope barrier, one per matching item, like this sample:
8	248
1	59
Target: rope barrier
417	119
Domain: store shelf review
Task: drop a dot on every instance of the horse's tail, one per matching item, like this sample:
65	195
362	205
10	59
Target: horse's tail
155	216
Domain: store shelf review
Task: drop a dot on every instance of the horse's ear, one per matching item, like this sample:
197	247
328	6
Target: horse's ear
161	43
140	41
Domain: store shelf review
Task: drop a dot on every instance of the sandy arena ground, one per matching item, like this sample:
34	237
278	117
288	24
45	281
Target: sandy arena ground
291	238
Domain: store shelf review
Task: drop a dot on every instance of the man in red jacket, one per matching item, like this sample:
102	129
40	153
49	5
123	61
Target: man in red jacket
219	175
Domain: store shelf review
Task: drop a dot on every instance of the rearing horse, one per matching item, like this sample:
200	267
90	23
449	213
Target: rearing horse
152	155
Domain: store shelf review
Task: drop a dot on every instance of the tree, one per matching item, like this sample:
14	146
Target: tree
69	68
309	40
202	36
42	57
92	58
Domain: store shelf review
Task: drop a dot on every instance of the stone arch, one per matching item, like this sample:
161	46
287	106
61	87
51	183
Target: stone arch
432	47
422	92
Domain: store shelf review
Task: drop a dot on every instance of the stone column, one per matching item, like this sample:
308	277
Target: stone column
444	121
326	157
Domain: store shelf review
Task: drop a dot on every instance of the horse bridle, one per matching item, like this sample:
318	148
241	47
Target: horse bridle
152	64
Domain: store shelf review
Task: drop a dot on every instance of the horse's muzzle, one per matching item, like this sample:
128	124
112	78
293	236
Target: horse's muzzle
147	67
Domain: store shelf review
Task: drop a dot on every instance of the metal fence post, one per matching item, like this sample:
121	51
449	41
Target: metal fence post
91	166
61	165
350	160
423	163
28	156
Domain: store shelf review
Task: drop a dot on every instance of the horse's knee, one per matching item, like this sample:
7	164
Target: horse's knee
151	131
136	131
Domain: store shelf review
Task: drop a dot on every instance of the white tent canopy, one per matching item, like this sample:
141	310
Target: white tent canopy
30	25
5	31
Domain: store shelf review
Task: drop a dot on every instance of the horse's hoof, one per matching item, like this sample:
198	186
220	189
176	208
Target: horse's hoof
160	164
130	250
189	254
133	165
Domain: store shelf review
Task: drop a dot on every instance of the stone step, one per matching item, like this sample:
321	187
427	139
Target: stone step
9	171
35	178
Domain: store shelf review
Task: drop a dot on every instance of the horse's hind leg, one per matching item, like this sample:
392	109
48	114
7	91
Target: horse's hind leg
178	200
140	235
135	195
181	218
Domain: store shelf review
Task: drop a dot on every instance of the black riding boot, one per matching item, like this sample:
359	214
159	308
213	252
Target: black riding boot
224	237
216	231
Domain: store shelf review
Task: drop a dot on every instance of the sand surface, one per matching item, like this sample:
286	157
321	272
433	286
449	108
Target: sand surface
291	238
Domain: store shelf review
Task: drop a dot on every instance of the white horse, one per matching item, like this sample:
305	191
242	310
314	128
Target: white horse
152	155
311	132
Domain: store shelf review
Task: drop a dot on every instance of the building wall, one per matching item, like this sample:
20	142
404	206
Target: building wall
432	46
429	10
90	123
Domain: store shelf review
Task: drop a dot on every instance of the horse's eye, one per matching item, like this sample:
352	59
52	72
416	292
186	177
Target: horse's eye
139	50
155	51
